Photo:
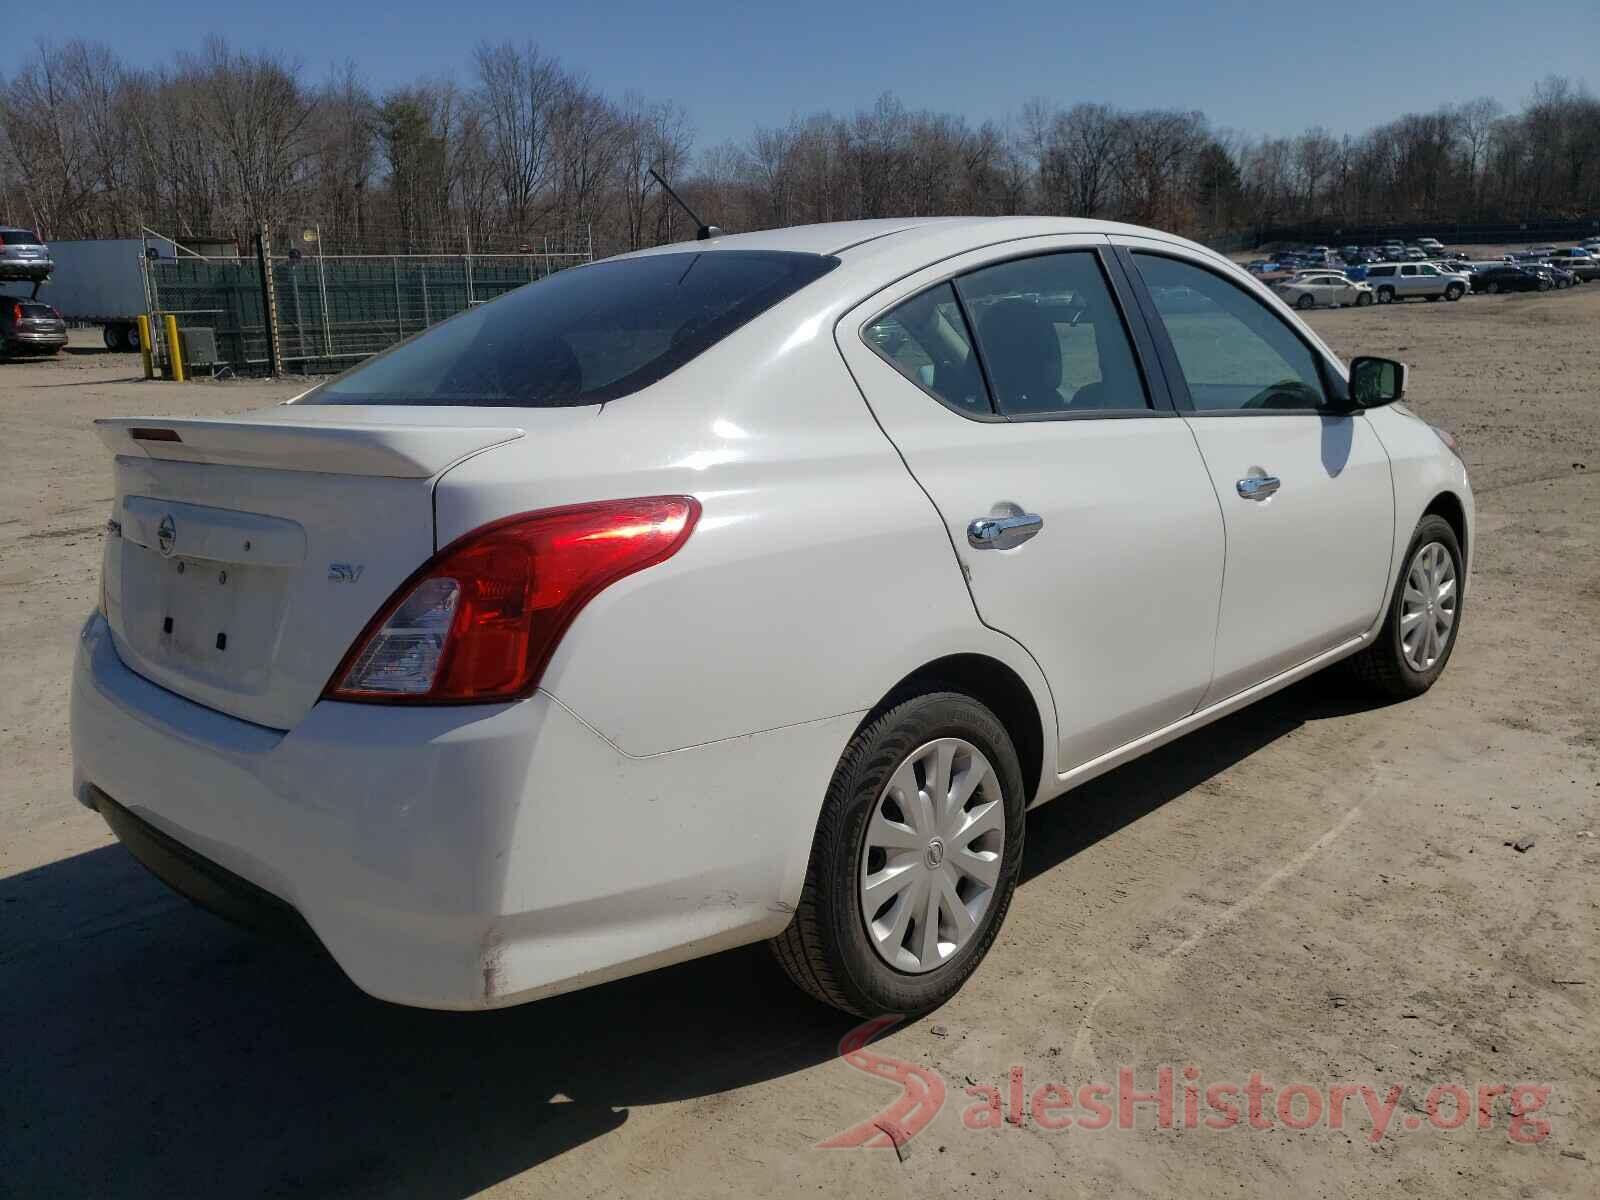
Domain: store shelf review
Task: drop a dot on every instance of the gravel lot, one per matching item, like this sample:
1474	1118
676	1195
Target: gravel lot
1315	890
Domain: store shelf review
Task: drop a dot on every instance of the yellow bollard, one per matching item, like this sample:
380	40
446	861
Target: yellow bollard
174	349
144	347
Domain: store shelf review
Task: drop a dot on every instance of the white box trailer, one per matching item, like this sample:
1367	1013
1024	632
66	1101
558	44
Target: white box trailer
100	281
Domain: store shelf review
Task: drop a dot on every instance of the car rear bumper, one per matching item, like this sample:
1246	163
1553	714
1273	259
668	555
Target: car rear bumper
47	342
31	269
458	858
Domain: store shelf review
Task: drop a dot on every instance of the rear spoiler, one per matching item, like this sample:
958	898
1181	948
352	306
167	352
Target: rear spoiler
403	451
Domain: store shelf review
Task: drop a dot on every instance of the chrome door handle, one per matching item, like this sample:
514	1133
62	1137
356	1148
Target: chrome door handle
1002	533
1258	487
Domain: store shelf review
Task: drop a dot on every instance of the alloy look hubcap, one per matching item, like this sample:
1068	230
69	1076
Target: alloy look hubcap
931	858
1428	607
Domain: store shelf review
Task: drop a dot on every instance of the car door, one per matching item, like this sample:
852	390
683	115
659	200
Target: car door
1074	495
1410	281
1305	489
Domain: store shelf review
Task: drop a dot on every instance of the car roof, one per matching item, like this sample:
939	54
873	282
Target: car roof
912	237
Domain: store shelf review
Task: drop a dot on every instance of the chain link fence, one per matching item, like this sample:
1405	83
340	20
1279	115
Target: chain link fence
328	312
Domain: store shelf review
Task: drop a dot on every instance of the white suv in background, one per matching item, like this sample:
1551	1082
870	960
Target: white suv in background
1405	281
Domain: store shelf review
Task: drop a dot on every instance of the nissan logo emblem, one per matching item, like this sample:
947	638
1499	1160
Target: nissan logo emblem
167	535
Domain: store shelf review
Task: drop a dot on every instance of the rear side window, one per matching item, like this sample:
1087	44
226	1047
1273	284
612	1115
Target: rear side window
582	336
926	340
1052	338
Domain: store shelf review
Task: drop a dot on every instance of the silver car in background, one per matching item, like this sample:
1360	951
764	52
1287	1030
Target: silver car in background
23	256
1323	289
1403	281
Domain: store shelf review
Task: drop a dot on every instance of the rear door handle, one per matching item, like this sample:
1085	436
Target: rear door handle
1258	487
1002	533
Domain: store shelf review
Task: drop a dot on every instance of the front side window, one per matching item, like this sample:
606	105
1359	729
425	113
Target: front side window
1234	352
1428	270
582	336
1051	337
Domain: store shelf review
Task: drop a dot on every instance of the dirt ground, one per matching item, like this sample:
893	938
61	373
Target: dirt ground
1314	889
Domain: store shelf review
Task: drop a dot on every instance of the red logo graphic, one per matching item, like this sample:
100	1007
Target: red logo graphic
921	1093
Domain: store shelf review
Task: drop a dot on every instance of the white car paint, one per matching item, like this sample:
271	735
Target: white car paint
656	797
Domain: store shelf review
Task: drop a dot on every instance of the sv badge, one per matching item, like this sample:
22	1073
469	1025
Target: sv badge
345	572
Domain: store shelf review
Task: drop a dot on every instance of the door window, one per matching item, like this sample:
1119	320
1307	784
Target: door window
1051	337
926	340
1236	355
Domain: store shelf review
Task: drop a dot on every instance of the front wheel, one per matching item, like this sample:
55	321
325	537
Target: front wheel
914	862
1493	288
1544	285
1419	630
1363	299
1453	293
1305	302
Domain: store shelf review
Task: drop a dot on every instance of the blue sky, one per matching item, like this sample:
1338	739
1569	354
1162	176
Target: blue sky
1253	67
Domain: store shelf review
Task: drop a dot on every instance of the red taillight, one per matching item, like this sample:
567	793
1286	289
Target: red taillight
16	312
480	621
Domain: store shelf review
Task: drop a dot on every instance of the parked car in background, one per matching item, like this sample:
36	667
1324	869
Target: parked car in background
1580	262
1405	281
403	662
1433	246
1323	289
23	256
1546	249
1416	254
28	327
1509	277
1393	252
1561	275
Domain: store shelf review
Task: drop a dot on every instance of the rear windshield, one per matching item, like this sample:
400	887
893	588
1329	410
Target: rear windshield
583	335
34	310
19	237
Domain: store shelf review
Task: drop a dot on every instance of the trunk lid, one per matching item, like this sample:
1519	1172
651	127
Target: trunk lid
254	550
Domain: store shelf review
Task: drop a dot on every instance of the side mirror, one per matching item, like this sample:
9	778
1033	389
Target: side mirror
1375	382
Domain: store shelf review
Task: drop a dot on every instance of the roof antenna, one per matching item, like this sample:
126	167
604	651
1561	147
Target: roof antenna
702	230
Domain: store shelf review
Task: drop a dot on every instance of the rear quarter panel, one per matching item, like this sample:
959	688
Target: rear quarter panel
819	574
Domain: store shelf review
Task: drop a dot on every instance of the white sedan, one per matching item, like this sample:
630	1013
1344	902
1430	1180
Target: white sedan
1323	289
744	589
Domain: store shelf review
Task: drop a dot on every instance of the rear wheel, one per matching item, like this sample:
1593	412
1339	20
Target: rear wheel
1386	295
112	336
914	862
1492	287
1419	630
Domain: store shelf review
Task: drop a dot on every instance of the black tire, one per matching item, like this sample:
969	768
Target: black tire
1386	295
112	336
1307	300
1454	292
826	949
1544	285
1492	287
1382	666
1363	299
